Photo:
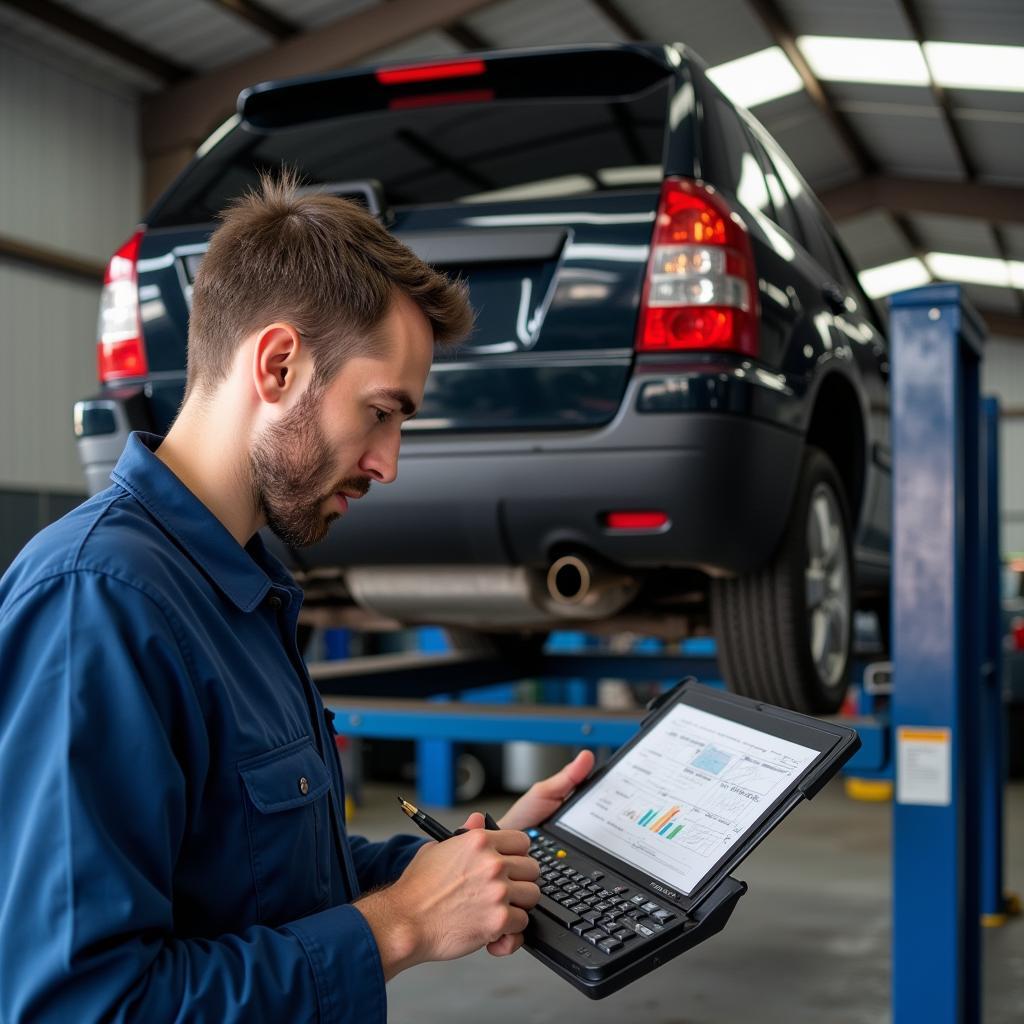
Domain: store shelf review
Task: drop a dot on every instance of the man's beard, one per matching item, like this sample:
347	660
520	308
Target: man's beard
290	468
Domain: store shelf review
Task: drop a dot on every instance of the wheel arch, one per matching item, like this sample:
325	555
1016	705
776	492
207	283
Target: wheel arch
836	427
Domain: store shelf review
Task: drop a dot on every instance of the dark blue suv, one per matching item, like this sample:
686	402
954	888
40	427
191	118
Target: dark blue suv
673	412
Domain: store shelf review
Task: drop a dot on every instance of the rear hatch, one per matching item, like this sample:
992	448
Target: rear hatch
535	177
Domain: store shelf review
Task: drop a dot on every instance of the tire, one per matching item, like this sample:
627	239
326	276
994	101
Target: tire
773	644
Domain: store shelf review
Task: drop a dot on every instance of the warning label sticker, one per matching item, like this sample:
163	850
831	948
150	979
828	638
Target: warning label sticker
923	766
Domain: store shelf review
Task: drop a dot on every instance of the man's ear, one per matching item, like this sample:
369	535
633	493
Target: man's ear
276	358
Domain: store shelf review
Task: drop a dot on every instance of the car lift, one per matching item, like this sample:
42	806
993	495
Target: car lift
938	733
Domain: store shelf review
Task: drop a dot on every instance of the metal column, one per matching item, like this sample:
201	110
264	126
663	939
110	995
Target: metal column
938	605
993	719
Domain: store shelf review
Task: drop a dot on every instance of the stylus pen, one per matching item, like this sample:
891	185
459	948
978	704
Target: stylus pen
433	827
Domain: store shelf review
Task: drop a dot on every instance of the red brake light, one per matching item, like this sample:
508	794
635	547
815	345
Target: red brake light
635	520
701	286
120	352
430	72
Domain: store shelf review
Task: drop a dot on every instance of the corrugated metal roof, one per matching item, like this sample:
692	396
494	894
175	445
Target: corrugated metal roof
873	239
194	33
902	128
873	19
542	23
314	13
31	35
428	44
940	233
719	31
990	21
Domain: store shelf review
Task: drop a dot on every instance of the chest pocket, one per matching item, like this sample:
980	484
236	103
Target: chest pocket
286	809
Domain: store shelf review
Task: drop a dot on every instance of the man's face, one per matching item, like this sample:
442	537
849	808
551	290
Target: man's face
334	443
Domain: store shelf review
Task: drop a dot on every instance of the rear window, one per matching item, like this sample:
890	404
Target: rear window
500	150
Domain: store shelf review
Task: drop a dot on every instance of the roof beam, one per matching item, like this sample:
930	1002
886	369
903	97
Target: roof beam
994	203
941	98
1004	324
86	30
784	37
186	113
34	255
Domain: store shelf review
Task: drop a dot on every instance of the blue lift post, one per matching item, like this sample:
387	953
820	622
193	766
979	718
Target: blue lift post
938	589
993	720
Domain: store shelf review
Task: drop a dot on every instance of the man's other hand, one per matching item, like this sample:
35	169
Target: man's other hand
543	798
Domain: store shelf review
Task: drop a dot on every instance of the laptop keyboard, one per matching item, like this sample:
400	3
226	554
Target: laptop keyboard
604	910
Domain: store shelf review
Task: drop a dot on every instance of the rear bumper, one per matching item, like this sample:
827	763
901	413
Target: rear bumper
726	482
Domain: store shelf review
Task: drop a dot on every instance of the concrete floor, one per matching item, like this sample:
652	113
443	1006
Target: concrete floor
808	944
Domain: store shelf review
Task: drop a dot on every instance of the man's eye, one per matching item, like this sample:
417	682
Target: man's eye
383	415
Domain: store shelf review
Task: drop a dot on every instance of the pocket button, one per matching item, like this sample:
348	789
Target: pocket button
303	785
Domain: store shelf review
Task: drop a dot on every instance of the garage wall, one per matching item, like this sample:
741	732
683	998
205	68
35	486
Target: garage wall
1003	375
70	181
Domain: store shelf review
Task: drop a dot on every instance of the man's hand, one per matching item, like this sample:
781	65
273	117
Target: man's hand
454	897
543	798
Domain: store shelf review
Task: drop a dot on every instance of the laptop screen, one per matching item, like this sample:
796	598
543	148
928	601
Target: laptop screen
676	802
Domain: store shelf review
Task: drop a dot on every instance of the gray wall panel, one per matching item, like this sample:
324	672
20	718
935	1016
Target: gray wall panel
70	180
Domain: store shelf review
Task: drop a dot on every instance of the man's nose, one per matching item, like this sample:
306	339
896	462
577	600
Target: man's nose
381	462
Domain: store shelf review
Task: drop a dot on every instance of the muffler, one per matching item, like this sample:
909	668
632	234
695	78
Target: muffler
491	597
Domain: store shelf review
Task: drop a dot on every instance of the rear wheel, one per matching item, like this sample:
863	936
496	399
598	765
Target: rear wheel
784	631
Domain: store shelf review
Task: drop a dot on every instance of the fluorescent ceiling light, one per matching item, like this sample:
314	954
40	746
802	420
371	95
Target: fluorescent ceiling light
757	78
977	269
894	277
881	61
977	66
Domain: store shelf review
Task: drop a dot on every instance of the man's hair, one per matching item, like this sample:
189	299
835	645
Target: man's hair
322	264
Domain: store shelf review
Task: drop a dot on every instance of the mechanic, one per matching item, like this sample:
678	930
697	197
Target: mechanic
173	843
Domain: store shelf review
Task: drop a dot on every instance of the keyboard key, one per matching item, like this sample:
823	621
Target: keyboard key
624	935
592	916
573	905
643	931
608	926
565	917
594	887
597	875
602	906
638	900
549	890
662	916
605	893
650	908
594	936
615	912
609	944
582	927
571	888
620	890
614	900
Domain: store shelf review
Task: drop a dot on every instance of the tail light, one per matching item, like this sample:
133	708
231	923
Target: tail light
430	72
701	287
120	352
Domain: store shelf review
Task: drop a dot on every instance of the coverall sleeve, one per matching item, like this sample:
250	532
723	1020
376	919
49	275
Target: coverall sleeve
381	863
102	747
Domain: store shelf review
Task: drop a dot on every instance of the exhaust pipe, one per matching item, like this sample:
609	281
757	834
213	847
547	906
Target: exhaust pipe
490	596
578	586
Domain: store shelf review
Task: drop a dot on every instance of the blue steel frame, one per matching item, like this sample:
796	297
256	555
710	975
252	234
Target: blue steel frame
993	719
937	587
